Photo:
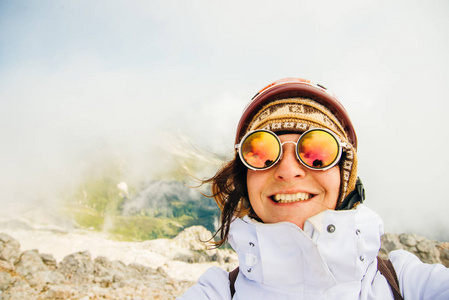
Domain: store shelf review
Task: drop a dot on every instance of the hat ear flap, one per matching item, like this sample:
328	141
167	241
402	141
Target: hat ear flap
356	197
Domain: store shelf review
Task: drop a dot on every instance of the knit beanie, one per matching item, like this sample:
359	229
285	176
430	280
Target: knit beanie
299	114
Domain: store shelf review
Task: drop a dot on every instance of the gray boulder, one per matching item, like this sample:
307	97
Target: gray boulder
426	250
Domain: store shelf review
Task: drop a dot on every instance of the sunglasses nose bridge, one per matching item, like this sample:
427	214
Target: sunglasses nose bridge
289	142
282	150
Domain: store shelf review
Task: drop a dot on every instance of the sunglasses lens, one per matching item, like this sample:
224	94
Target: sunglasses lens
260	149
318	149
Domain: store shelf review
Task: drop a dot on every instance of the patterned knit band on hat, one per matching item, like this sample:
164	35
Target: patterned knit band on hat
301	114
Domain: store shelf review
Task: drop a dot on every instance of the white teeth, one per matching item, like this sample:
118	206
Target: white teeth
288	198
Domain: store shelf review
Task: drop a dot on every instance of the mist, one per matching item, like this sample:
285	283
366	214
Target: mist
155	85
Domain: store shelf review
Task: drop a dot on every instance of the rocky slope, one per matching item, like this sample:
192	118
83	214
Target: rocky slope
428	251
30	274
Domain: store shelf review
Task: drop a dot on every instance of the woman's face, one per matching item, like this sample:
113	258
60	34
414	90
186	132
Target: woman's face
289	191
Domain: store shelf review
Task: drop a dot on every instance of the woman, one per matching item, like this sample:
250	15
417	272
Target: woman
291	209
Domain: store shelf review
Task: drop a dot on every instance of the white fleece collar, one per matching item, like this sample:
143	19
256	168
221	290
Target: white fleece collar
335	247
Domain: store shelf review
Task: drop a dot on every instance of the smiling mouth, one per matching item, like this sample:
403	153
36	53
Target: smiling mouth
290	198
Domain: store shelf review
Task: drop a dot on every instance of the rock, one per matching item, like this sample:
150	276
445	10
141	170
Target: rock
6	280
6	265
444	253
31	266
78	267
38	276
58	292
33	269
30	262
194	238
9	248
49	260
426	250
409	240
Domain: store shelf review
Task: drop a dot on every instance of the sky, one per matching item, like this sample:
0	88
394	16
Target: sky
145	81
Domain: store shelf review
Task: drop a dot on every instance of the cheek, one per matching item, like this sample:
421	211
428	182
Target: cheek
255	181
251	182
334	178
330	180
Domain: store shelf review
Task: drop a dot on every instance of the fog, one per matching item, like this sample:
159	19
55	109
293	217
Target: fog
153	84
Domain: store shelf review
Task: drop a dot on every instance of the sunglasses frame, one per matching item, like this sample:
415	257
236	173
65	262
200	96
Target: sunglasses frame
340	145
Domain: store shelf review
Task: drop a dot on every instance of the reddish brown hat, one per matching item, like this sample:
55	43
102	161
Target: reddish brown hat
290	88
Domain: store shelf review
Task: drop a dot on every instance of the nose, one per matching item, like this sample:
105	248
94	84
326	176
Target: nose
289	168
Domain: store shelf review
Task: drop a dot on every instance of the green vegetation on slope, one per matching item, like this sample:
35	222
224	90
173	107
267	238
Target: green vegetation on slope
159	209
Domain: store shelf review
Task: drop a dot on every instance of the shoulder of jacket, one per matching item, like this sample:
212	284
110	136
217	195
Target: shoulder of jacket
403	262
402	258
418	279
214	274
213	284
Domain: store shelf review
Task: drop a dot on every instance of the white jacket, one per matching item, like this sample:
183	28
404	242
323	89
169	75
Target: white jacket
334	257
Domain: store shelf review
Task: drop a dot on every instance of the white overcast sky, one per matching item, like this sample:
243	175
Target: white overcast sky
78	75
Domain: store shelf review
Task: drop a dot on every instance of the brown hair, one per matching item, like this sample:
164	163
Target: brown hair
231	195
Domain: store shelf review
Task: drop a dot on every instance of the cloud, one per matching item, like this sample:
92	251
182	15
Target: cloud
92	77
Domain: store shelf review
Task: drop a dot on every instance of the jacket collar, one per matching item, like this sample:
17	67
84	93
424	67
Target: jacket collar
334	247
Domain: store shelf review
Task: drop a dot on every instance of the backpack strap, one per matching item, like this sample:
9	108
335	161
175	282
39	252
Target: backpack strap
386	268
232	277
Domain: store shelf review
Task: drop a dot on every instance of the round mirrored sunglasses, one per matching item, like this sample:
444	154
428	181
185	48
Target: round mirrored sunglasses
317	149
